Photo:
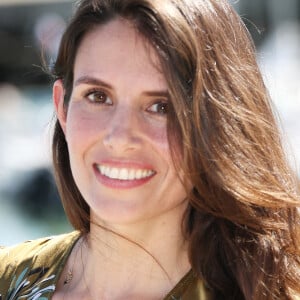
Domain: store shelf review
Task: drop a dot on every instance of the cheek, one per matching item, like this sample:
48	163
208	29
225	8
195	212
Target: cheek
85	128
81	128
157	136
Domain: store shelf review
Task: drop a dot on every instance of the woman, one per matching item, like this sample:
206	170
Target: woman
168	161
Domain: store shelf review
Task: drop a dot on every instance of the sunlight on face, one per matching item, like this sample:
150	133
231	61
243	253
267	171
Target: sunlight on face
116	128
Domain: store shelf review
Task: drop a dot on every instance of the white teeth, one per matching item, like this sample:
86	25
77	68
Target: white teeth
138	174
114	173
123	173
131	174
101	169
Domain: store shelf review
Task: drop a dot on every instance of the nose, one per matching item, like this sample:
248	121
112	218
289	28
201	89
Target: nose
122	133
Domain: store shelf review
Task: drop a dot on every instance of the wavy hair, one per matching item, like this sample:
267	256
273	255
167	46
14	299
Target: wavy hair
242	223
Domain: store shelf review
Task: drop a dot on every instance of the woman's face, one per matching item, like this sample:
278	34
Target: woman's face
116	128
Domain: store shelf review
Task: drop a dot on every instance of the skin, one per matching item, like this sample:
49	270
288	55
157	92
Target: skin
117	117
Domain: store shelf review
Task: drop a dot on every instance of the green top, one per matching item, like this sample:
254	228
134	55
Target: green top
31	271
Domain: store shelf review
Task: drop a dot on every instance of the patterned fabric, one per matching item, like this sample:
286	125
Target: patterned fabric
31	270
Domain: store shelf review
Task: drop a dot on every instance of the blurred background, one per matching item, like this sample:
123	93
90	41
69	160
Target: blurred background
29	202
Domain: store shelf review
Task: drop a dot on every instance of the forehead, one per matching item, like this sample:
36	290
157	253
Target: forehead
117	46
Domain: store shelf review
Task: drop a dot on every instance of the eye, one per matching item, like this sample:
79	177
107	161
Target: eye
159	108
98	97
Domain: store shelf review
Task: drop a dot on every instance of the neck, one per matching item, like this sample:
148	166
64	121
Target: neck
152	253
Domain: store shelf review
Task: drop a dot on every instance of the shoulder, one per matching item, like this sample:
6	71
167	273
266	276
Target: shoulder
197	290
36	259
190	287
36	249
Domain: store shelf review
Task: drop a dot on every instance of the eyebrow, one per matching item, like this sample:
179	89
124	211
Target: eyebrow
92	81
96	81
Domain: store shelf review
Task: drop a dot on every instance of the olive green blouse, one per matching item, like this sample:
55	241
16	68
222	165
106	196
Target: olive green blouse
31	271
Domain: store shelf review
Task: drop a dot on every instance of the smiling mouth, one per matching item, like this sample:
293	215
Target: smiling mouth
124	173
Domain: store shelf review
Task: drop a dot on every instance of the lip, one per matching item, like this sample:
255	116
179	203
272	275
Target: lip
118	183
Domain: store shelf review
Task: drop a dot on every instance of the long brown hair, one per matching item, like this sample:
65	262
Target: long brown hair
242	222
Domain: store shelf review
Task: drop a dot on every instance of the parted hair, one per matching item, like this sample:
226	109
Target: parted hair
242	223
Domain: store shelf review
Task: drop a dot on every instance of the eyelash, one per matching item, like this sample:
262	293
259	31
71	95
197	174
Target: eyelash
101	94
165	109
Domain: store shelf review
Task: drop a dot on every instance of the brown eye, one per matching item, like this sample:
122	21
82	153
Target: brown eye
159	108
98	97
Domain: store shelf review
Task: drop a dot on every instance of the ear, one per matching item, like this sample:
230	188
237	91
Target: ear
58	95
